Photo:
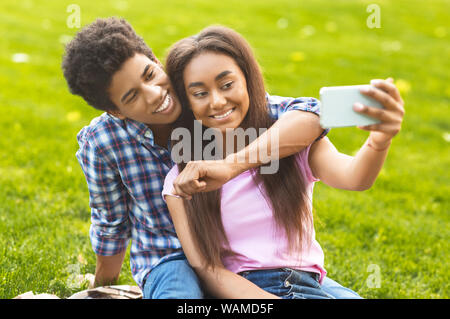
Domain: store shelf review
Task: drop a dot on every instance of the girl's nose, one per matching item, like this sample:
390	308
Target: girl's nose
218	101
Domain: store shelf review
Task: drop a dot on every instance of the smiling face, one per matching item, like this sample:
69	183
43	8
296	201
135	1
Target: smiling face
217	90
141	91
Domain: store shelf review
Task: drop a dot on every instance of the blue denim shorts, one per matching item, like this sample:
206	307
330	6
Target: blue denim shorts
288	283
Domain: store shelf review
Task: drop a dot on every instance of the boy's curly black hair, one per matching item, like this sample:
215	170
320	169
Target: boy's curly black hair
95	54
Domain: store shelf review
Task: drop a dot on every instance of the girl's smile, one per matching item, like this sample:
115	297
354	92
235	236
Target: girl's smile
223	115
217	90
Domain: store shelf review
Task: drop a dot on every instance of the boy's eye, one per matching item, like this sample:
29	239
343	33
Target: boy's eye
132	97
149	76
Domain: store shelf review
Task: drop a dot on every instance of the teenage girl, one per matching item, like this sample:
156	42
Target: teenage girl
254	237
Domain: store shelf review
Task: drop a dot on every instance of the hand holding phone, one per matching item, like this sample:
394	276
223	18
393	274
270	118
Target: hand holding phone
337	106
381	114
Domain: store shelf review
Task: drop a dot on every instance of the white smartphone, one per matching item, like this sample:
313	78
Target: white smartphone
337	106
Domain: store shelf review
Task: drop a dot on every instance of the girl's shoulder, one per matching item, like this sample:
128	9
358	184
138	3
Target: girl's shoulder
168	181
173	173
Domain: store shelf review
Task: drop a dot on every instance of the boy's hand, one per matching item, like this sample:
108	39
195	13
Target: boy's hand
391	116
204	176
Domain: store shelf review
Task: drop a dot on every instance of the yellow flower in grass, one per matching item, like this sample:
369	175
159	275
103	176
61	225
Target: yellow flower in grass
403	86
297	56
73	116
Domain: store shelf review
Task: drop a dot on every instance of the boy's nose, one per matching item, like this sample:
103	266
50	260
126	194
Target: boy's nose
153	94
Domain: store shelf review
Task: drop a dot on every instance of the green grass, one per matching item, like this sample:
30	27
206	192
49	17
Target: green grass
401	225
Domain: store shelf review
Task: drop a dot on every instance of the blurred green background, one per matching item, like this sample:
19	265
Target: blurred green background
391	241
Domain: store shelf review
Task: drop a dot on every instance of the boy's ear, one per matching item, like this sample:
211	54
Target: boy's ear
155	59
117	114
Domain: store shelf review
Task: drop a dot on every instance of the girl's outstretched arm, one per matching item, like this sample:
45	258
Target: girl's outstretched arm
342	171
360	172
220	282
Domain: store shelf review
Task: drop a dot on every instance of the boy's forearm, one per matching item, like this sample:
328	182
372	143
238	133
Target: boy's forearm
108	268
293	132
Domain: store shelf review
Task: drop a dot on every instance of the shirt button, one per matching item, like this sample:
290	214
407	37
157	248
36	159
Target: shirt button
161	152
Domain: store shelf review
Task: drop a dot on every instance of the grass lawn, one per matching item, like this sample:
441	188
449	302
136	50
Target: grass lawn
391	241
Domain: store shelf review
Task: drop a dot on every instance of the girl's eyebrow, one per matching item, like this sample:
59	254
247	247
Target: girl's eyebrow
217	78
221	75
193	84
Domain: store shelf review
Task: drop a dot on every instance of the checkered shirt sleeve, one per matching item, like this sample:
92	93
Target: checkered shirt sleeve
279	105
110	225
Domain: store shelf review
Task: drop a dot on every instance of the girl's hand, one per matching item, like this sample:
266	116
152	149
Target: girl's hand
391	116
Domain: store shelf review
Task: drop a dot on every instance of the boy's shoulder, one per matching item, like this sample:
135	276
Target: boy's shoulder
102	132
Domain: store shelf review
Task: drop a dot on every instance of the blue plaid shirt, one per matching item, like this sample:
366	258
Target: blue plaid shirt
125	172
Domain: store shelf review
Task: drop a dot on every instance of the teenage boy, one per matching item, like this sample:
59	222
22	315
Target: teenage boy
125	156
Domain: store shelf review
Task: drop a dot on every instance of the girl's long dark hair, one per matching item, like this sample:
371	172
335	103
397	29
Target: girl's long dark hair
284	190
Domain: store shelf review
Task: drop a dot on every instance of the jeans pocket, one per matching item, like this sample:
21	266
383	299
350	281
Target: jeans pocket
274	281
301	285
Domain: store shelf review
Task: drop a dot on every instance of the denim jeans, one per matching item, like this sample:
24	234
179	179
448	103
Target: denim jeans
295	284
174	278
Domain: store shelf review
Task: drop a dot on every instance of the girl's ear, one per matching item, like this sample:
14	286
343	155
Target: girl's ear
117	114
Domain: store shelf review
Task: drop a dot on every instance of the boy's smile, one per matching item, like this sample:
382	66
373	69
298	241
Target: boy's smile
141	91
